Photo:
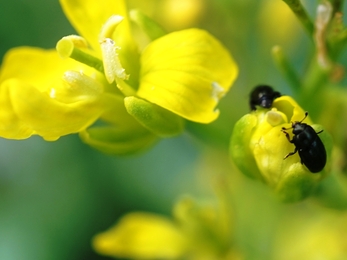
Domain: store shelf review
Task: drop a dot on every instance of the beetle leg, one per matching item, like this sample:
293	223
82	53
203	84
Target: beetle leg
290	154
319	132
287	135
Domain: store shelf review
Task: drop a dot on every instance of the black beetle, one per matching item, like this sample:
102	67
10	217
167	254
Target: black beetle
263	96
307	142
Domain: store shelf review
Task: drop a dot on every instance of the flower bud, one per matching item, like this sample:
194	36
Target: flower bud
149	26
156	119
259	148
122	135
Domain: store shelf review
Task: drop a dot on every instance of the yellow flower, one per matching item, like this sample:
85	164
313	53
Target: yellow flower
258	147
319	234
141	235
185	72
29	103
198	231
140	94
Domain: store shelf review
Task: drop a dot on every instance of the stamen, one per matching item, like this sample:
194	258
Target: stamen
78	87
112	66
83	83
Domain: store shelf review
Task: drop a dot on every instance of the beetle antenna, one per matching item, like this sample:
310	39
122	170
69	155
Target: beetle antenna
293	123
306	114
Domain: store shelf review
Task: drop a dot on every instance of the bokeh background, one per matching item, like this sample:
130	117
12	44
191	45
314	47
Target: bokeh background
55	196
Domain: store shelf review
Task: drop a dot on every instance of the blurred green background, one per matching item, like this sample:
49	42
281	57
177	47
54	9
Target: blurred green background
54	196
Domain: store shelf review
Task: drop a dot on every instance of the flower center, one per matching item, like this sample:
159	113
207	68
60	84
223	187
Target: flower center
76	47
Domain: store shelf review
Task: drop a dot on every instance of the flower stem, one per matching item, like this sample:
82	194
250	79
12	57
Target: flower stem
301	14
286	69
337	44
316	77
337	5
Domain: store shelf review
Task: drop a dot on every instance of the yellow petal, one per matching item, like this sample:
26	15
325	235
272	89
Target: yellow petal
11	127
36	67
291	109
43	115
141	236
27	77
88	16
187	72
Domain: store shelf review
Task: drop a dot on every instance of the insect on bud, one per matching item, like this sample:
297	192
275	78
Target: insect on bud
263	149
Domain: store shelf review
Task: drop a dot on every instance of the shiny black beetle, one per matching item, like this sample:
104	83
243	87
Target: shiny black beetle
307	142
263	96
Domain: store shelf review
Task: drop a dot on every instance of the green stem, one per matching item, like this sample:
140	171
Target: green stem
316	78
337	5
337	44
87	59
301	14
286	69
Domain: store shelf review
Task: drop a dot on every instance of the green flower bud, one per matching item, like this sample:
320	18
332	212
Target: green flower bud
149	26
155	118
259	146
118	141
